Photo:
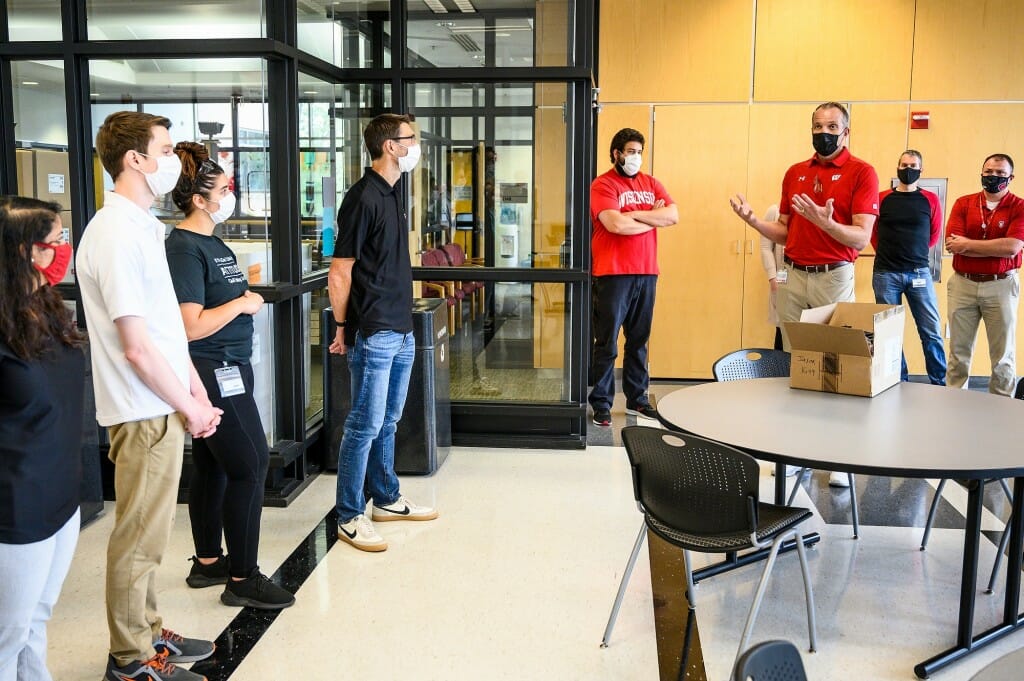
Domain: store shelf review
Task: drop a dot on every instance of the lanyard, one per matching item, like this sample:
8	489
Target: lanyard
992	218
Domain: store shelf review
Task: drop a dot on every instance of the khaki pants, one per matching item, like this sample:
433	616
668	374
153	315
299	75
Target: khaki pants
804	290
995	302
147	465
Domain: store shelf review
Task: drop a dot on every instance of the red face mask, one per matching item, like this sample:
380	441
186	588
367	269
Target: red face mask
55	271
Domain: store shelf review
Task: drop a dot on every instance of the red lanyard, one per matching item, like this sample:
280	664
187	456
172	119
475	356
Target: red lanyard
981	211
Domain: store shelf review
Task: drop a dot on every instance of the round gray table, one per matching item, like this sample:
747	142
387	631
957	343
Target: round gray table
911	430
1006	668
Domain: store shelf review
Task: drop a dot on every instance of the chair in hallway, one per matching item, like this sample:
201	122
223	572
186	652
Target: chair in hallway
700	495
763	363
770	661
1018	394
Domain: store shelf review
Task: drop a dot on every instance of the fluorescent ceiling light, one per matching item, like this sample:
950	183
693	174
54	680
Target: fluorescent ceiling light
435	6
465	6
29	82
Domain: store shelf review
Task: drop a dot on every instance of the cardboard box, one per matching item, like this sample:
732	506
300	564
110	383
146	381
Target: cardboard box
850	348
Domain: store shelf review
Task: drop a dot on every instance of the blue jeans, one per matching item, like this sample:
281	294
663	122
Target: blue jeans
380	366
889	288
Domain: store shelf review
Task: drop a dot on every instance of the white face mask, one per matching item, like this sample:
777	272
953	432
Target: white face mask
631	164
227	208
408	162
163	179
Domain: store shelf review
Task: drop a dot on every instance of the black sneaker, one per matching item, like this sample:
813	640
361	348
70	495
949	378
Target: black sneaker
256	591
156	668
644	410
181	649
603	417
201	576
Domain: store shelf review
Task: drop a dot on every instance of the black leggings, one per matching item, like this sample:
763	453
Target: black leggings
229	471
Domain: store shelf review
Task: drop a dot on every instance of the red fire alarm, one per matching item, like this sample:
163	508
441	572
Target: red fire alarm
918	120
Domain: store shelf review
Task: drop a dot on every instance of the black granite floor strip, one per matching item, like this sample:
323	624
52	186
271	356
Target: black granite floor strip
246	629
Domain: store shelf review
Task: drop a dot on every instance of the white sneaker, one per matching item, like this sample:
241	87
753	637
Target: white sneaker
790	470
403	509
359	533
837	479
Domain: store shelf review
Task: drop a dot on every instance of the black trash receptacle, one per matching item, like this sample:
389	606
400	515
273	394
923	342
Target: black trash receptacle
424	432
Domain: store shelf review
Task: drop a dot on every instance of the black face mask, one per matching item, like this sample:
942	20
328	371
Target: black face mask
825	143
908	175
994	184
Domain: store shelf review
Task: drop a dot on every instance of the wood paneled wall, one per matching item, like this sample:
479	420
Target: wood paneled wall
732	84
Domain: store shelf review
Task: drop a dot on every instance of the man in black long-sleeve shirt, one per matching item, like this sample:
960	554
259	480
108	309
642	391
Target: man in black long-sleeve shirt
909	224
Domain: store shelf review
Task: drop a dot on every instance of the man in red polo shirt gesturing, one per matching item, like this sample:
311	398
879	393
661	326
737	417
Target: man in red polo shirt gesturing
828	208
985	234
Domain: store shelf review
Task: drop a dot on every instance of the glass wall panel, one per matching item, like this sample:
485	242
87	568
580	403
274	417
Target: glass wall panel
351	35
492	33
313	306
517	350
41	129
184	19
34	20
202	98
333	157
504	200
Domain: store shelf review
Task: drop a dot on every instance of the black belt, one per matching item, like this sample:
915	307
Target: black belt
985	277
827	267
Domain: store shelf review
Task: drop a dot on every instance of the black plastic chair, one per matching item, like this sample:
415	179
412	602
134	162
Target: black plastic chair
770	661
701	495
751	363
1018	394
763	363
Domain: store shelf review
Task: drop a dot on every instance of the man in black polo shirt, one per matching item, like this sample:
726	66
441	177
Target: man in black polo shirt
370	286
909	224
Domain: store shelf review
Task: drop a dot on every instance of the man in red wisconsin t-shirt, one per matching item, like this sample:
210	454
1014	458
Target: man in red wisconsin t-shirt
626	206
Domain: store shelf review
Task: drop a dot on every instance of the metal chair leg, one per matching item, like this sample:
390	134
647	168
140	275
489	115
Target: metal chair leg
931	513
854	510
1003	541
691	593
622	585
796	485
759	595
812	624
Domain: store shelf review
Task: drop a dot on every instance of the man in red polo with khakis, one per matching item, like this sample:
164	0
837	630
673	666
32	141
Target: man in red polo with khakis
828	208
985	233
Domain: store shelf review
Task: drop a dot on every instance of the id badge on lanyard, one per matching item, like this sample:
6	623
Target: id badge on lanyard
229	381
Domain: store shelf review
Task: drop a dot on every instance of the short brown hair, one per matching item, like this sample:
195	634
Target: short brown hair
381	129
834	105
621	138
125	131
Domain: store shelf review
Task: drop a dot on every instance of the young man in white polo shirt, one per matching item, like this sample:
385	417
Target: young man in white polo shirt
147	391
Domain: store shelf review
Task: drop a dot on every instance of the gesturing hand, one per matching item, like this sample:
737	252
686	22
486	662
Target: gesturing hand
742	208
805	206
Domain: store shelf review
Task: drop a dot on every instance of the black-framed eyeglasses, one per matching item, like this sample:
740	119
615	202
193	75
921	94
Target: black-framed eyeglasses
407	137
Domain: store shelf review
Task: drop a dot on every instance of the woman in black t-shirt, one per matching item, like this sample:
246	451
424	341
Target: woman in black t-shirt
229	467
42	374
